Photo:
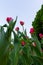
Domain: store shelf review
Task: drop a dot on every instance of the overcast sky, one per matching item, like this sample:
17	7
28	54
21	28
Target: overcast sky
24	9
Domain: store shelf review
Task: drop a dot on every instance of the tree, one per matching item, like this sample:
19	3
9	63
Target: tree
38	24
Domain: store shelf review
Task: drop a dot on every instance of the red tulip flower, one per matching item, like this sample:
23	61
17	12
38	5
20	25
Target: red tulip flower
41	35
22	23
31	30
8	19
23	43
17	28
34	44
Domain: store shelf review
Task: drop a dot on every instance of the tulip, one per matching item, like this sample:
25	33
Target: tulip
22	23
17	28
40	35
23	43
31	30
8	19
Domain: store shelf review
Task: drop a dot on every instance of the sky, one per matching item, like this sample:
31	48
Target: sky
24	9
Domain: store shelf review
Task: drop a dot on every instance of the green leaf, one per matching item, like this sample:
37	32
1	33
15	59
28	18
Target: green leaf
3	48
10	28
38	44
37	60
